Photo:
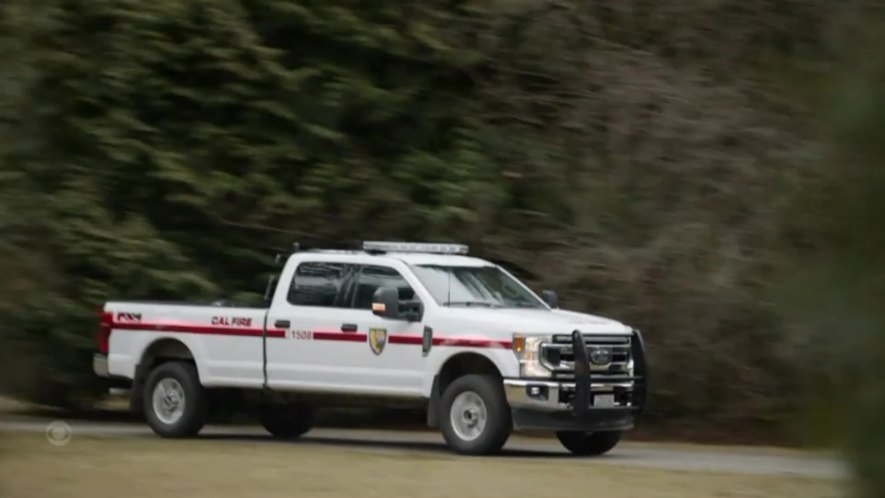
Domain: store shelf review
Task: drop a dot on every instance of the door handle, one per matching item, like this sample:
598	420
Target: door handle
281	324
348	327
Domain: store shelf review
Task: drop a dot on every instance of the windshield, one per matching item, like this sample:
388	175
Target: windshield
486	286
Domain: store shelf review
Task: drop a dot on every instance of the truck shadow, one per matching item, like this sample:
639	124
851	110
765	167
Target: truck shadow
401	445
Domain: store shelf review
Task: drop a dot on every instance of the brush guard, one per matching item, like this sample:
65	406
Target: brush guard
583	399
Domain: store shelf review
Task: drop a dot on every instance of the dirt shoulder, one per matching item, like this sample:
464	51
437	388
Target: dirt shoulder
145	467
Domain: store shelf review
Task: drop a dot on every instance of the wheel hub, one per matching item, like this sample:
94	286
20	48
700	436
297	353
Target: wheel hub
168	400
468	415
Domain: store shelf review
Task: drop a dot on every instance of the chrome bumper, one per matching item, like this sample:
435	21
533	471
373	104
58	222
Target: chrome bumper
100	365
520	397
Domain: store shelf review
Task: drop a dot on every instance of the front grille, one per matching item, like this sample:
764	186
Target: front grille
559	355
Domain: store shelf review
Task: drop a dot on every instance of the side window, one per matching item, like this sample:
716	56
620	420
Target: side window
321	284
372	277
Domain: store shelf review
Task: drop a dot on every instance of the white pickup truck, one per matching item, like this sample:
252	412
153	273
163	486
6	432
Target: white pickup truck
404	324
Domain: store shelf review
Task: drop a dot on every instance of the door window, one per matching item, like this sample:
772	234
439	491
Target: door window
322	284
372	277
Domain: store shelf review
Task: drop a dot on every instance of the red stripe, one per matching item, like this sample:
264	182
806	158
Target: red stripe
189	328
464	342
318	335
405	339
467	342
339	336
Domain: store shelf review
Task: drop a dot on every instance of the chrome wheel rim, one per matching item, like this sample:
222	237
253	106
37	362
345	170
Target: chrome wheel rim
468	415
168	400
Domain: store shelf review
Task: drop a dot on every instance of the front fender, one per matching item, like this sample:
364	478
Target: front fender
502	358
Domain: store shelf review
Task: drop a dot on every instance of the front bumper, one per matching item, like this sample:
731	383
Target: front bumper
545	405
547	396
587	403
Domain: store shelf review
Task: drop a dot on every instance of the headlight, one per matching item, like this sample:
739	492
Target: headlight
528	351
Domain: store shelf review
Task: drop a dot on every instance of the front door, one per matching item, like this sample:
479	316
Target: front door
394	360
334	343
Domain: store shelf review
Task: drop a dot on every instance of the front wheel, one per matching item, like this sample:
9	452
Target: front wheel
474	415
175	404
589	443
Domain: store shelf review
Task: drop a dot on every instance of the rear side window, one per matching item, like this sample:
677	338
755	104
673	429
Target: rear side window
322	284
372	277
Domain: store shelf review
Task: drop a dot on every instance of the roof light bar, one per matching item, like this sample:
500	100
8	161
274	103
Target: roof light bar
428	247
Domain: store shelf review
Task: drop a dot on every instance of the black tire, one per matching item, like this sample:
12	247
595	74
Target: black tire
195	401
498	424
589	443
285	421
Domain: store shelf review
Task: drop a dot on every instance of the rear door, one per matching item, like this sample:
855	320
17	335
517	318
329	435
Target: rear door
321	330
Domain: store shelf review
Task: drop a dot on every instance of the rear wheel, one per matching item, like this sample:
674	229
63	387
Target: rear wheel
474	415
175	404
285	421
589	443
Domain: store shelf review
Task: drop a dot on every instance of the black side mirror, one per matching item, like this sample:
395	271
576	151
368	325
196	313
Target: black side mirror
411	310
550	298
385	302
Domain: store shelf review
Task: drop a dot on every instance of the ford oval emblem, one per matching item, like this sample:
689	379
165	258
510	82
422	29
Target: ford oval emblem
601	356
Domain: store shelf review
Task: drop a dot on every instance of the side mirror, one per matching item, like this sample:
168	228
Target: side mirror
385	302
550	298
412	310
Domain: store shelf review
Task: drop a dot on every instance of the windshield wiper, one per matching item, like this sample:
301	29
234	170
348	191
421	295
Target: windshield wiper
472	303
525	305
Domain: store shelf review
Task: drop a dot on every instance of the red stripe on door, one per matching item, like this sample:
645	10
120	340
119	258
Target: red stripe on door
320	335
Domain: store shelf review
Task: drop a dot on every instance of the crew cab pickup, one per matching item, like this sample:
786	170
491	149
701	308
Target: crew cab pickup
396	323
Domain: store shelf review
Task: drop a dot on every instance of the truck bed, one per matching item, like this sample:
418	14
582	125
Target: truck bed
225	342
221	303
165	316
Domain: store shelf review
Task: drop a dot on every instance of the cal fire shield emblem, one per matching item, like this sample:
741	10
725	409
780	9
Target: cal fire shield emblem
377	340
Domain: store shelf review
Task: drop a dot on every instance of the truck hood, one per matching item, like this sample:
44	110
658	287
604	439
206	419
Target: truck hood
536	321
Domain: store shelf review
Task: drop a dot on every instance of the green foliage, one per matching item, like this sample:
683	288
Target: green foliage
836	306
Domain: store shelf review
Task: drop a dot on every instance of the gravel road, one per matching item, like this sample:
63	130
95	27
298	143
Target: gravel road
742	460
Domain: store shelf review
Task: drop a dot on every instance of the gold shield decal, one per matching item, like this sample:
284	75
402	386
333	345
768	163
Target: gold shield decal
377	340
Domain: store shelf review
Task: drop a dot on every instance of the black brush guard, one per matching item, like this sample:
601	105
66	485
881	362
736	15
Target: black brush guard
584	376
